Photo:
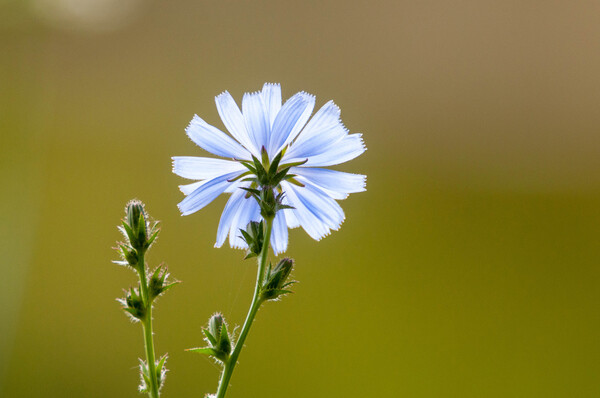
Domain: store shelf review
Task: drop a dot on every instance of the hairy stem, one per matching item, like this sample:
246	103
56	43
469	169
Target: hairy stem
256	302
147	326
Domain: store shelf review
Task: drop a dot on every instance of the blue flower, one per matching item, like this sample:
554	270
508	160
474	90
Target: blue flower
265	123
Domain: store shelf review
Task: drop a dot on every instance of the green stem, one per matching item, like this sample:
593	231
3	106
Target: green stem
147	326
256	302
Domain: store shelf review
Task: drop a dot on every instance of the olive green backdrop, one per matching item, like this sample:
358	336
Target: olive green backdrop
470	267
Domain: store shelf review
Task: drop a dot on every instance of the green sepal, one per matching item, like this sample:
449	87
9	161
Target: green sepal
248	165
145	381
244	174
154	233
294	164
210	337
128	231
293	180
275	164
224	342
161	371
264	155
203	351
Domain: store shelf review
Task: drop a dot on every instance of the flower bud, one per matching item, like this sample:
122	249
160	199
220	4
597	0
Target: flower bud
217	337
215	323
254	238
129	255
275	283
133	304
136	220
158	282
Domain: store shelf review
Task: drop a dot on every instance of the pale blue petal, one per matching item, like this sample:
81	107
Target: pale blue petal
271	93
317	145
290	120
279	234
232	206
290	216
321	205
324	129
342	151
197	168
247	211
331	181
291	219
257	124
189	188
214	140
313	226
206	192
234	121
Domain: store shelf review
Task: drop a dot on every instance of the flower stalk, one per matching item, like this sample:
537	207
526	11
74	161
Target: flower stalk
148	336
229	365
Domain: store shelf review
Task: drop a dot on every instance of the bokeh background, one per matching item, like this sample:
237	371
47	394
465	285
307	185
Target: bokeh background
468	269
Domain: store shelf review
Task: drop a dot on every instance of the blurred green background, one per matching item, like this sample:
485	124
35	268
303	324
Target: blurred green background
468	269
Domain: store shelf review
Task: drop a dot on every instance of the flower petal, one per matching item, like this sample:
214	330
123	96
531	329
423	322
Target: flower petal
248	211
279	234
198	168
323	130
233	204
342	151
331	181
214	140
189	188
271	94
257	125
234	121
321	205
290	120
205	193
291	219
313	226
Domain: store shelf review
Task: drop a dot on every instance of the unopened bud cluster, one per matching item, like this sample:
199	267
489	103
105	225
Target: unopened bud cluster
138	234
